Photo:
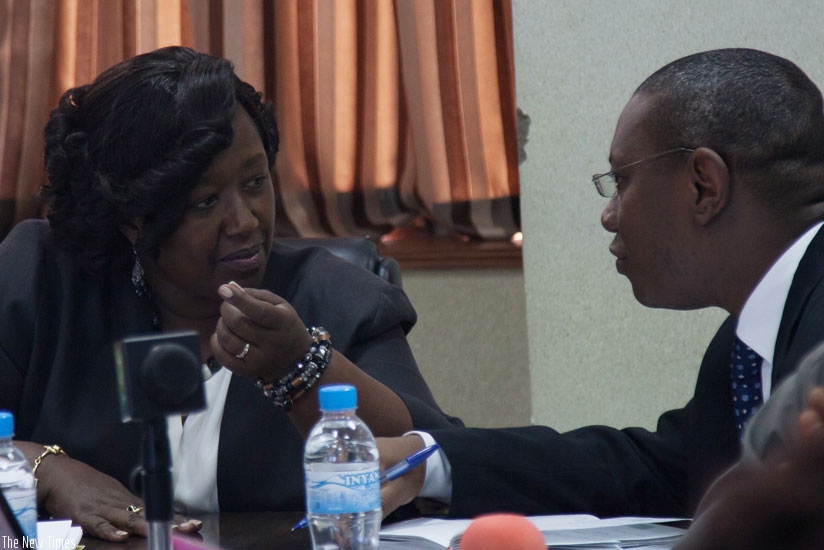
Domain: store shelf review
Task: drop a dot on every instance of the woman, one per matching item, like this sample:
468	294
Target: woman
161	219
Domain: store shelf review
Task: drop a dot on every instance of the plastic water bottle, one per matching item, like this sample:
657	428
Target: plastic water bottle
342	476
16	479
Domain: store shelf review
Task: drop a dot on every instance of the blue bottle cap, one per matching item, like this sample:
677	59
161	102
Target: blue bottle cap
338	397
6	424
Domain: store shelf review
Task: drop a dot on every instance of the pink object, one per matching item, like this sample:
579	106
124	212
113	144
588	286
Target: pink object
180	542
502	532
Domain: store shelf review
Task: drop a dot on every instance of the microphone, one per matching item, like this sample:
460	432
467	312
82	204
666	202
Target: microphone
502	532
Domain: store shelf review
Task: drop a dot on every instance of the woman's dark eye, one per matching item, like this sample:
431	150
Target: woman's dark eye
206	203
256	183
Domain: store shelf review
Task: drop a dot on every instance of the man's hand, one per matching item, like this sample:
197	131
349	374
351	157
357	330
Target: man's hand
405	488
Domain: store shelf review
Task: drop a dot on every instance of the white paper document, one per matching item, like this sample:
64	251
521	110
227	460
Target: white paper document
58	535
560	532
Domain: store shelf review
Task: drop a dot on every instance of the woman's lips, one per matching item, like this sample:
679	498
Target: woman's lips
244	260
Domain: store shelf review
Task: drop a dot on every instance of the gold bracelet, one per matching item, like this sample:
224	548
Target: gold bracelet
49	450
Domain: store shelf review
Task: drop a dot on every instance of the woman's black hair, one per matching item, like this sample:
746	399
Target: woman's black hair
134	143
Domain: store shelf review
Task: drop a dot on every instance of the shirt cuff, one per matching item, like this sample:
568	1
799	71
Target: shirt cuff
438	481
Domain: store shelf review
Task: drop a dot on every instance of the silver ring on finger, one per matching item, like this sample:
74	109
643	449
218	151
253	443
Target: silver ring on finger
244	351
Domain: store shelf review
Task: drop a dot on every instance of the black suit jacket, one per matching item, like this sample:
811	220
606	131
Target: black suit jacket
57	326
607	472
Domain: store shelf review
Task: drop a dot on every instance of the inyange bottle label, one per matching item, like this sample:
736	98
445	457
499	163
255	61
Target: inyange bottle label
329	492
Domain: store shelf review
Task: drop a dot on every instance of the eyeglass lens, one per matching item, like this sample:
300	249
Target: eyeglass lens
606	185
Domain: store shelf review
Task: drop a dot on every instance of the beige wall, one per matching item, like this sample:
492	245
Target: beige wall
596	356
471	344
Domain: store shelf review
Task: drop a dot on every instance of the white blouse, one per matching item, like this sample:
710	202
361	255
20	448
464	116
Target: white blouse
193	445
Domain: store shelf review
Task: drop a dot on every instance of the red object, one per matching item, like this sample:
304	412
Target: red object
502	532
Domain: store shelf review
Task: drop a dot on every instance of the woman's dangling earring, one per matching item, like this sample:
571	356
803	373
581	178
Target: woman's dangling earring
140	286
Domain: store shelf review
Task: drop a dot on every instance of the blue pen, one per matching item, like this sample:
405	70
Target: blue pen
394	471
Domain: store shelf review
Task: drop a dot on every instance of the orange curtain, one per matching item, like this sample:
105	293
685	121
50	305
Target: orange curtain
26	95
391	112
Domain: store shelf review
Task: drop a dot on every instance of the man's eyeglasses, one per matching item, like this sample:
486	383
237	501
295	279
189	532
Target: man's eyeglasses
606	184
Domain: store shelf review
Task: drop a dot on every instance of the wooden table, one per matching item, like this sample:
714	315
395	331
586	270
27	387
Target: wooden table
236	531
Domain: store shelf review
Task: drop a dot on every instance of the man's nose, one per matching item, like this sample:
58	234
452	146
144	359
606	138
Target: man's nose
608	216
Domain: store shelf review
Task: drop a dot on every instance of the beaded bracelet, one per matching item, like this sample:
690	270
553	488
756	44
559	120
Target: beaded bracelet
304	376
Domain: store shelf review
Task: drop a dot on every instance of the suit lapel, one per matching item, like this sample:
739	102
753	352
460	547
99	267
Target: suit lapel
807	277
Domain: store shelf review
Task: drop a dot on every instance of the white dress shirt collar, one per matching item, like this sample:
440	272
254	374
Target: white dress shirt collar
761	315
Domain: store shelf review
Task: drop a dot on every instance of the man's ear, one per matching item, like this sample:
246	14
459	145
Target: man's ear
710	184
131	229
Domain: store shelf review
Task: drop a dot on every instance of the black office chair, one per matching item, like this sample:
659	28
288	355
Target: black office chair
358	250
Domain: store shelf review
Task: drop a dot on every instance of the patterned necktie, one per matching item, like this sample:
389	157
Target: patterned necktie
745	376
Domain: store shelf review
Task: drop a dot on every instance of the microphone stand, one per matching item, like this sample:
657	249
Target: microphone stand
157	484
158	374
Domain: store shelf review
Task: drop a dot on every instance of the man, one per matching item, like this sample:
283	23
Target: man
716	199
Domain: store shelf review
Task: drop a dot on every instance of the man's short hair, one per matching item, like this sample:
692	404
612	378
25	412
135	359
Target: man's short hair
760	112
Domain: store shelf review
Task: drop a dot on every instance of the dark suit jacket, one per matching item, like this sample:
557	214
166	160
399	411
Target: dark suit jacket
607	472
57	326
